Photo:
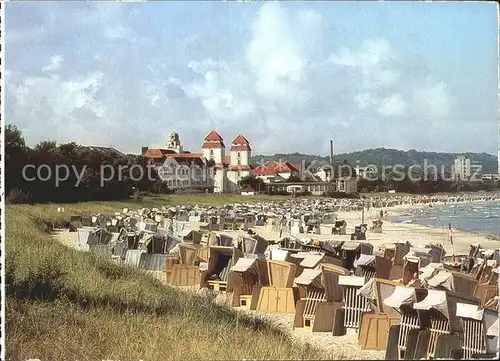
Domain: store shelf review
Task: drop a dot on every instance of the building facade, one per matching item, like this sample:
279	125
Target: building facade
348	185
462	168
216	170
211	169
467	170
239	161
276	171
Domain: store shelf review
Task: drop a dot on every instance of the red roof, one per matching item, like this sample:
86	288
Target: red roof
241	148
168	153
240	144
239	167
158	153
184	155
213	145
240	140
213	135
264	171
273	168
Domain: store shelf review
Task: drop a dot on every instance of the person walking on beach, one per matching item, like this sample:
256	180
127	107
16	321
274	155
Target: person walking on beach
381	213
282	225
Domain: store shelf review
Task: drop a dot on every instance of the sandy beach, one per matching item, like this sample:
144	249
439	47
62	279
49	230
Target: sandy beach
417	233
414	233
391	232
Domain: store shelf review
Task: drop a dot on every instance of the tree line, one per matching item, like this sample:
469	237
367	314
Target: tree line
389	157
419	183
84	180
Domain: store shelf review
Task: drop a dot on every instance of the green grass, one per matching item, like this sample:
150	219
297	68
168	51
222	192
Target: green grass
49	210
67	305
385	194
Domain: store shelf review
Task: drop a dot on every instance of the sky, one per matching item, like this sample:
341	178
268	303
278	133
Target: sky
289	76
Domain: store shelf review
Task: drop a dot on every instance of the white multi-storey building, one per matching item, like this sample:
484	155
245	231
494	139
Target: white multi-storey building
462	168
211	168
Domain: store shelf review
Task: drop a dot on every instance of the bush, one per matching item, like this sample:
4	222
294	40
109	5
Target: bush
17	196
279	193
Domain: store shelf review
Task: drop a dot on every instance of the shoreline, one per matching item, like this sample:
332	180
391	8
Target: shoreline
399	212
417	233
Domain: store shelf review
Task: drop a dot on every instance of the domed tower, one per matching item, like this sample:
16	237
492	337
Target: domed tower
174	143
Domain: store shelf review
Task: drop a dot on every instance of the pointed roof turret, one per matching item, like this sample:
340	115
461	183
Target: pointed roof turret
240	143
213	140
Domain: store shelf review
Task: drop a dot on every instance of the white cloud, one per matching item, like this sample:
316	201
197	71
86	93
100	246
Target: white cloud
344	57
55	63
288	87
63	96
220	87
117	32
364	100
434	99
69	106
273	54
373	52
374	62
393	105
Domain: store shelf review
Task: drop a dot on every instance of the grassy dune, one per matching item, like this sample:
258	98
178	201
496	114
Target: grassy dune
67	305
49	210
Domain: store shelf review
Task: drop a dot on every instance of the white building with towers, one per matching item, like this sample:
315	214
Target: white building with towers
220	170
229	169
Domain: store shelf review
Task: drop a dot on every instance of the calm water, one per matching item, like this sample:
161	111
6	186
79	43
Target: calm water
479	218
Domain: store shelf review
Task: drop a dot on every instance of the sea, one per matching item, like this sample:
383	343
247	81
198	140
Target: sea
481	218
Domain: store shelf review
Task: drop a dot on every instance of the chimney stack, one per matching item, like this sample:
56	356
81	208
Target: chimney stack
331	151
498	170
144	150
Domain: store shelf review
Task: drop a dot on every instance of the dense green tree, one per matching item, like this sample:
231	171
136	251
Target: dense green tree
252	181
294	178
80	170
15	158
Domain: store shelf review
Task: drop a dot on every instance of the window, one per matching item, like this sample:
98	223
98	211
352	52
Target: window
239	161
211	154
239	155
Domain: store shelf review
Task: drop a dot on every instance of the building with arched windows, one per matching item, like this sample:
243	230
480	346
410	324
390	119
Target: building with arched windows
212	169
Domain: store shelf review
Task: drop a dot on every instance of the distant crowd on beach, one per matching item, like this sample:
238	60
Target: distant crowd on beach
385	202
